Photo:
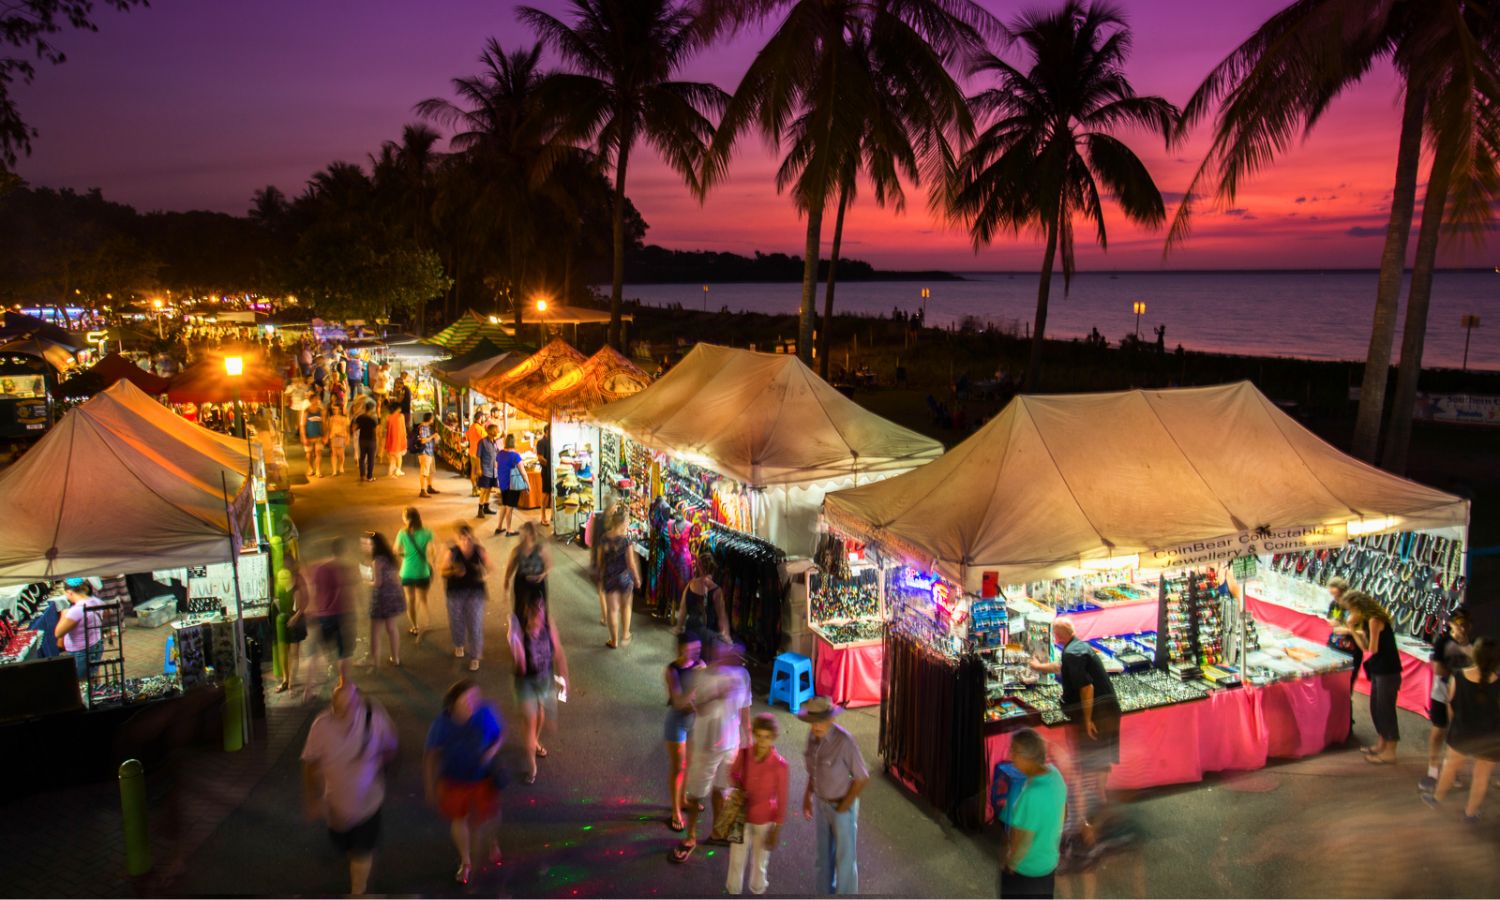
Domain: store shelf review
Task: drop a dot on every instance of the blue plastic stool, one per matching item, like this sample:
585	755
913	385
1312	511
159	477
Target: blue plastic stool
791	680
168	667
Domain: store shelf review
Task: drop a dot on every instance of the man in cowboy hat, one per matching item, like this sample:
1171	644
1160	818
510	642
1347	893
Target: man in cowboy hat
836	774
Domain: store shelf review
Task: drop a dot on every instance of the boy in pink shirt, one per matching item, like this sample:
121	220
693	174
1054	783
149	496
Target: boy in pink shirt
760	774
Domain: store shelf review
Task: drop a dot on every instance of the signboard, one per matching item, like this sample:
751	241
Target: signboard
1246	543
217	580
1458	409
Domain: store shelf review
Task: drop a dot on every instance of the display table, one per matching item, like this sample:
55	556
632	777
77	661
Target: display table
1416	671
849	675
532	498
1108	621
1229	730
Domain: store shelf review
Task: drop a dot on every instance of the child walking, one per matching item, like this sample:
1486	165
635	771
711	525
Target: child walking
760	775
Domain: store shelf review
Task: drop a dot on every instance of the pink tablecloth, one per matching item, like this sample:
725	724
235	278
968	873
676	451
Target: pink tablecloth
850	675
1416	672
1231	730
1124	618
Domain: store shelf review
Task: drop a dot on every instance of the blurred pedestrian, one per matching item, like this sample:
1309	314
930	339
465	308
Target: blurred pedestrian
619	574
678	676
427	438
836	775
1371	627
312	436
1033	840
395	441
721	696
760	774
700	596
464	570
535	645
1451	654
338	439
472	437
1088	699
544	459
387	602
365	426
343	776
296	626
332	600
489	452
415	550
512	479
463	774
1474	731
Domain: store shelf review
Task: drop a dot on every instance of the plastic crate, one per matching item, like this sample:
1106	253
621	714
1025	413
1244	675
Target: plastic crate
155	613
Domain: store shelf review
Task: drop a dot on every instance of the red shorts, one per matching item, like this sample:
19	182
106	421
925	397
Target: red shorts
467	799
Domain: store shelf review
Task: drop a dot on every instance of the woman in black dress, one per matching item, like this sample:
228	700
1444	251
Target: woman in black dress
1473	727
1370	626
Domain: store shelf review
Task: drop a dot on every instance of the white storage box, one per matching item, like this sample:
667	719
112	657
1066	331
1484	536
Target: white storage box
155	613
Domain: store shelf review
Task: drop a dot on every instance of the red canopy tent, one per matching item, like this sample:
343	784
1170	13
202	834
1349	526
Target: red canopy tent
206	381
111	369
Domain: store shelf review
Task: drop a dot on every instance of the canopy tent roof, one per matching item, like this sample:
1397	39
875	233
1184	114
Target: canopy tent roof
206	381
152	421
482	360
763	419
605	377
58	356
1054	482
111	488
522	386
109	370
17	324
469	330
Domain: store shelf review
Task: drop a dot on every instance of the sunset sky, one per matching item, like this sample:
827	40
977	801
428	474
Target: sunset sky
191	104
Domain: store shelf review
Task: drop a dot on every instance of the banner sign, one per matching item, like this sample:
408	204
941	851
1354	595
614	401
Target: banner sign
1246	543
1458	409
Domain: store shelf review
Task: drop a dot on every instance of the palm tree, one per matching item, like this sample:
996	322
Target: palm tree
1049	148
1277	84
510	140
624	55
845	86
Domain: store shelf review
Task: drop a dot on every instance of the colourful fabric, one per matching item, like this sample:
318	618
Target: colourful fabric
1123	618
1040	810
849	675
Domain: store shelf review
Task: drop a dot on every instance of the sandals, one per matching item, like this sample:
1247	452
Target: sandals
541	752
473	665
414	631
611	645
1379	761
283	687
676	823
462	875
529	778
681	852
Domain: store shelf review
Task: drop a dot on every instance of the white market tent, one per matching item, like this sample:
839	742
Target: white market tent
114	488
1054	483
767	421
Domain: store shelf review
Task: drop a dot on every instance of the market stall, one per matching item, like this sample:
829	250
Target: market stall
119	490
603	378
734	449
457	400
471	328
524	413
109	370
1104	500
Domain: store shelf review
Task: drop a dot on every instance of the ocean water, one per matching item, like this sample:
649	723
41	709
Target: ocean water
1311	315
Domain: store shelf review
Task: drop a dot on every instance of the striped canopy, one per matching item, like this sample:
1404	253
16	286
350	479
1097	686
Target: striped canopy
471	328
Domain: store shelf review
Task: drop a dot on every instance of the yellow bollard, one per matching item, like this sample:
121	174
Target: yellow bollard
133	810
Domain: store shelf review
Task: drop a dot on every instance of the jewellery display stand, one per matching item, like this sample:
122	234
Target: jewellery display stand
106	675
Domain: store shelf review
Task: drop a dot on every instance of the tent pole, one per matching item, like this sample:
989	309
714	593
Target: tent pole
239	609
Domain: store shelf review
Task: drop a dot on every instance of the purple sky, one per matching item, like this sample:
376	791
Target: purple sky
194	104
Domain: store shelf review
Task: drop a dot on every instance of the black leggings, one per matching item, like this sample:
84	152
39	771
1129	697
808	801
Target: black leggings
1383	691
366	459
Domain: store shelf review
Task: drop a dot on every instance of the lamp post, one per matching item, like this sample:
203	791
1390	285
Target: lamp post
1469	322
157	304
234	366
541	301
926	295
705	298
1139	308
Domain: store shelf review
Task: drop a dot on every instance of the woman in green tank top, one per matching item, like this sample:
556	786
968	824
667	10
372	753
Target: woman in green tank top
414	548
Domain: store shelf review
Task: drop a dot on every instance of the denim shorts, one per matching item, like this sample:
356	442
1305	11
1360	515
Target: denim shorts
678	725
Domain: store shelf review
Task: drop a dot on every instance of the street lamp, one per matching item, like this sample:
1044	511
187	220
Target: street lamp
926	295
705	298
1139	308
234	366
541	304
157	305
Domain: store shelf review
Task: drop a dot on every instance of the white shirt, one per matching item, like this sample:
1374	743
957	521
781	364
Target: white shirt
717	728
352	764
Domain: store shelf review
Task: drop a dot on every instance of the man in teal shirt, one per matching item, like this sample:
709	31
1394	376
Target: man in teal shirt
1036	822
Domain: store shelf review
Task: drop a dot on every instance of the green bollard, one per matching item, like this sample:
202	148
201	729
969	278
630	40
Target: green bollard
133	809
234	714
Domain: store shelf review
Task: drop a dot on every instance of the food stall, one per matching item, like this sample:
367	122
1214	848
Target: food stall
732	451
1070	501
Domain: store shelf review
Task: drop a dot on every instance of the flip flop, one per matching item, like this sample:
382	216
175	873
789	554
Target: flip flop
1379	761
541	752
676	824
610	644
681	852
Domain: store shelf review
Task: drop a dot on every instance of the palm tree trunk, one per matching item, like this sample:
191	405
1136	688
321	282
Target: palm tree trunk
1388	292
825	333
617	285
1414	333
1038	332
809	310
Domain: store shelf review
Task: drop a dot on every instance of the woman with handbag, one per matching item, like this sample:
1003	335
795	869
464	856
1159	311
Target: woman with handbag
463	772
534	643
759	779
464	569
513	484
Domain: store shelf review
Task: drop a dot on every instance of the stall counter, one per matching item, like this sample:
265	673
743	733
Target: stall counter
1228	730
849	674
1416	671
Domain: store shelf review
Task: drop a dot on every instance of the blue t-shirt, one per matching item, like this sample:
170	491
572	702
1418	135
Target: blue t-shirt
504	463
1040	810
460	747
424	446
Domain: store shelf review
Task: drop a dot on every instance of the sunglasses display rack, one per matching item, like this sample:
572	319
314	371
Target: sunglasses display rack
846	610
1190	627
1417	576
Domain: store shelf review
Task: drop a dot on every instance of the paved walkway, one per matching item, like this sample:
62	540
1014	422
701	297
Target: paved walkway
593	824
